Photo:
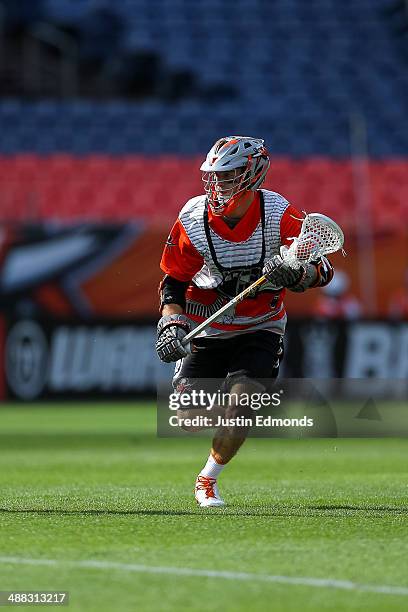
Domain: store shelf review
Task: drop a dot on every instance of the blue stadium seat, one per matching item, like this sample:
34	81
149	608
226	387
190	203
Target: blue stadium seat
299	68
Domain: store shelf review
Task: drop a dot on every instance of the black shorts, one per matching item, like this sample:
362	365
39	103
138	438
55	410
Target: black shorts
256	355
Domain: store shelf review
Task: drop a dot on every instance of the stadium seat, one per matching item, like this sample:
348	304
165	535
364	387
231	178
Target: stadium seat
272	56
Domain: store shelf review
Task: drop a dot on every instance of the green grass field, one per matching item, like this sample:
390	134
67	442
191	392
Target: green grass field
94	503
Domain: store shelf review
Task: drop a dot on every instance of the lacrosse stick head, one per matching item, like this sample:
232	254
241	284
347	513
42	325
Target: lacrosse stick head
318	236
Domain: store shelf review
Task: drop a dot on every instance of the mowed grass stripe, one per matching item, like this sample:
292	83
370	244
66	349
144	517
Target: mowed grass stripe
308	581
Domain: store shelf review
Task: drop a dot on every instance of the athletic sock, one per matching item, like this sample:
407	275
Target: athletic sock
212	468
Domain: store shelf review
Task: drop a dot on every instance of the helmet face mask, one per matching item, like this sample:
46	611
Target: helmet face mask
222	187
234	164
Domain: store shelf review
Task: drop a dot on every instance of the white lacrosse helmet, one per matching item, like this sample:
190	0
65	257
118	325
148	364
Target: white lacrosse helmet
245	161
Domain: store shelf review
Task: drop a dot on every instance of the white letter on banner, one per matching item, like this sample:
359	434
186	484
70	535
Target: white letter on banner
369	351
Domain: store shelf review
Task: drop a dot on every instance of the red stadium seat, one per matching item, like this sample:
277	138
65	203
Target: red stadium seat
121	187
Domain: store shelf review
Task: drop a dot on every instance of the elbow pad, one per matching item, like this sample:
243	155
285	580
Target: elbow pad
172	291
325	272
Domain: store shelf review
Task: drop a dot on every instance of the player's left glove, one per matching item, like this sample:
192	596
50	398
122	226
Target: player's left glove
171	330
280	274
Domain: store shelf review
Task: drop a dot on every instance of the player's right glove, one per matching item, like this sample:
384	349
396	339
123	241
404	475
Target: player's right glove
280	274
171	330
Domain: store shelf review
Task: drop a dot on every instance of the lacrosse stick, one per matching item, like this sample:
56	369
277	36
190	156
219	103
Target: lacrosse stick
319	235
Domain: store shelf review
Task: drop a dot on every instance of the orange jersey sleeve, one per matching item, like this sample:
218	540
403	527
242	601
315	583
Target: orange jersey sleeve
290	225
180	258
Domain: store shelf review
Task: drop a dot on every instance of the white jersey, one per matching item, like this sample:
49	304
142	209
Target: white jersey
224	262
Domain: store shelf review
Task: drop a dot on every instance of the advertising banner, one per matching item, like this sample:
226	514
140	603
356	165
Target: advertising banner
45	358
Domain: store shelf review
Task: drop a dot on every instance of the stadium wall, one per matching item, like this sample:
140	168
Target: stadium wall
47	359
81	239
111	269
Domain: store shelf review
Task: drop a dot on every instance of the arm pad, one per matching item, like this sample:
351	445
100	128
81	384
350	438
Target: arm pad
172	291
315	274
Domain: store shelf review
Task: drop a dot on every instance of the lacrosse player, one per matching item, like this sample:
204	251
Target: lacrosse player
222	242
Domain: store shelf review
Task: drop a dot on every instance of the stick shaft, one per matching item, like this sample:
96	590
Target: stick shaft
221	311
260	281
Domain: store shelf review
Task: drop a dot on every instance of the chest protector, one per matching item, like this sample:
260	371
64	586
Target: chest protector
229	266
